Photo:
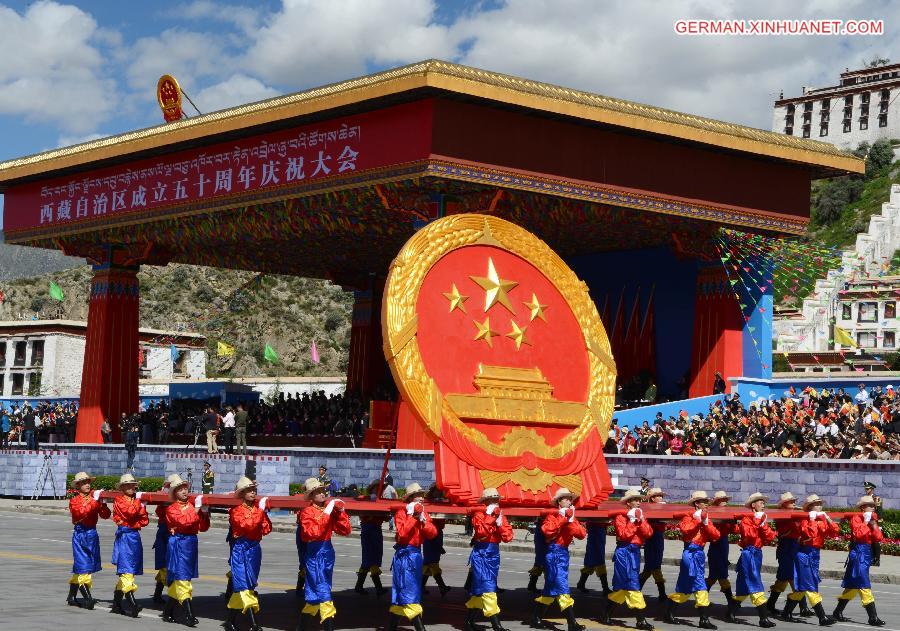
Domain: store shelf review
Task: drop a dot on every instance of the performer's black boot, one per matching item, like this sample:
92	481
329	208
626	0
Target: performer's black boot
89	601
469	624
72	599
788	613
254	626
805	611
838	613
327	625
606	614
604	583
301	583
661	587
157	593
537	616
391	627
417	623
191	620
774	595
133	608
168	614
824	619
764	621
733	607
495	623
360	579
574	625
641	623
379	588
704	619
532	583
231	622
441	584
874	620
669	612
582	583
301	624
117	602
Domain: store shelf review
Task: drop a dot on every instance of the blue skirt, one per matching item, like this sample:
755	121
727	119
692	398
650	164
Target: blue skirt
245	561
653	551
856	576
627	567
717	559
691	573
806	569
595	550
485	562
749	572
556	570
406	575
128	552
371	539
161	547
85	550
181	559
319	570
785	553
432	549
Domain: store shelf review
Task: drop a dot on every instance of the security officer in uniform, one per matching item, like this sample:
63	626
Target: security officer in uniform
879	507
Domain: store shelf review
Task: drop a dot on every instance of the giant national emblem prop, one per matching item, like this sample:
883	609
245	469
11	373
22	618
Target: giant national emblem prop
499	352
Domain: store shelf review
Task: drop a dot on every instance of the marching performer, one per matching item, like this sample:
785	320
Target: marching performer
654	548
414	527
813	530
318	522
184	520
540	552
130	515
864	532
560	527
786	553
161	547
696	531
594	556
490	528
85	507
432	551
717	557
249	523
371	540
755	533
632	532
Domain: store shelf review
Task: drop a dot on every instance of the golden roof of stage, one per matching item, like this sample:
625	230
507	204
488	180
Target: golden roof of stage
441	76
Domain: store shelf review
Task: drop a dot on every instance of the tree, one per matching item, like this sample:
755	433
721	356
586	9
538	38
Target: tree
834	196
876	62
881	155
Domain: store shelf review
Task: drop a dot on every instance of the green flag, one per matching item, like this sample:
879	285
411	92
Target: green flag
56	292
270	354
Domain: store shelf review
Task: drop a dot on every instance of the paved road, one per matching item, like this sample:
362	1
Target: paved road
35	561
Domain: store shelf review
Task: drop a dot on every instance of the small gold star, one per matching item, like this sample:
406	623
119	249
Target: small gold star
518	335
496	289
457	300
536	308
484	332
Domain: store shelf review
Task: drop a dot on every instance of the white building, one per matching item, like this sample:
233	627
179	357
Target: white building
45	357
862	107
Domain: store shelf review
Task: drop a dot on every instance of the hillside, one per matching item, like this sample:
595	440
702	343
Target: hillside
282	311
19	262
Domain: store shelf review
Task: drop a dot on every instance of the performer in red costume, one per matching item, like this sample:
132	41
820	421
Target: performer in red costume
249	524
717	557
86	508
814	528
559	529
632	532
130	515
160	547
755	533
864	532
318	522
654	548
490	527
414	527
786	554
696	531
184	520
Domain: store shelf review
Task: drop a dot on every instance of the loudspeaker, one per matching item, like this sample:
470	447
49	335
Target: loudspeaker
250	469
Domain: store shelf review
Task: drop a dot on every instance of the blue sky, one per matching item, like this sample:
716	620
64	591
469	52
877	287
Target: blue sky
75	71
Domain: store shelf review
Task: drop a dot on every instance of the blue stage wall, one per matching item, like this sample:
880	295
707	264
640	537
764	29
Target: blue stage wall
674	284
636	416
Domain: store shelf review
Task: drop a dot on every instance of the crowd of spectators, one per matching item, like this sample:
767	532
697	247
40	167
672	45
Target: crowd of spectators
801	424
30	425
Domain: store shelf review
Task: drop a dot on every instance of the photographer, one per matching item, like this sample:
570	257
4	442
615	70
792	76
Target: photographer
211	424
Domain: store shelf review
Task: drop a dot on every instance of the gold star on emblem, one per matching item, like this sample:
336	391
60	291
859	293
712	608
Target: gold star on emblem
518	335
536	308
496	289
457	300
484	332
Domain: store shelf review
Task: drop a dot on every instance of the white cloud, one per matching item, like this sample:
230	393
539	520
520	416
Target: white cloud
235	90
51	69
190	56
244	18
309	42
68	141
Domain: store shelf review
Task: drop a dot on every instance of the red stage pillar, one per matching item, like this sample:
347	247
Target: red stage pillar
109	379
718	332
366	368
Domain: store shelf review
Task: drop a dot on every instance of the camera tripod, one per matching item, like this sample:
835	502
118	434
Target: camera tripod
45	474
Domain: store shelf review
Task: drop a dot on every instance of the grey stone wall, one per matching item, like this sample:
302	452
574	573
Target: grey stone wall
273	473
21	473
